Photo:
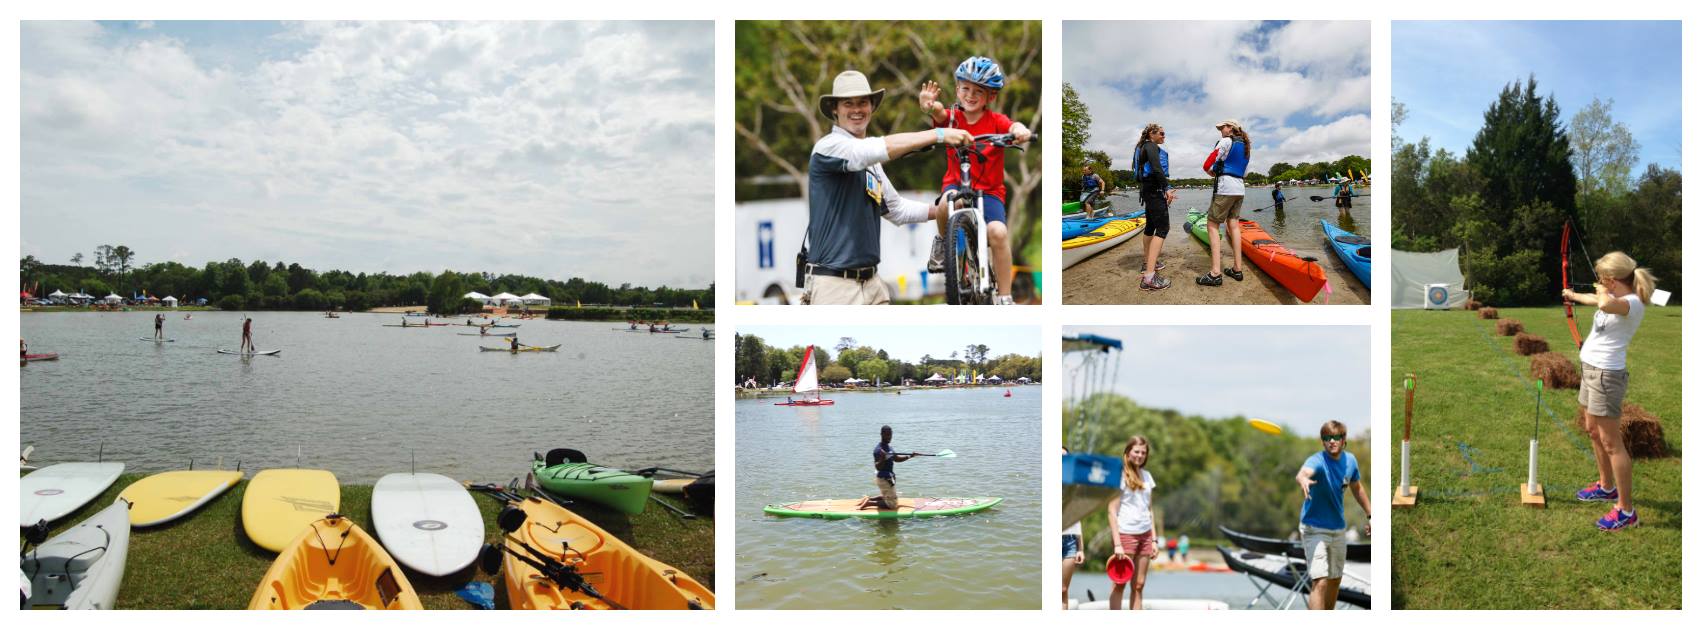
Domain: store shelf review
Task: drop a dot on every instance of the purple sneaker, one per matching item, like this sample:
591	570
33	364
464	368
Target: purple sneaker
1616	520
1594	492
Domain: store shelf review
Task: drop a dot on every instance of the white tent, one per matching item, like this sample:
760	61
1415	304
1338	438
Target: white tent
1421	278
475	295
936	378
169	302
533	298
505	298
995	379
1024	380
112	298
56	294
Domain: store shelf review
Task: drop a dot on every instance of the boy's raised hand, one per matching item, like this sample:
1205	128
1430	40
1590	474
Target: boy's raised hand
928	96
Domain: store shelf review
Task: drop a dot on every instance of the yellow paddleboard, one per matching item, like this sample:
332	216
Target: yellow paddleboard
164	497
280	503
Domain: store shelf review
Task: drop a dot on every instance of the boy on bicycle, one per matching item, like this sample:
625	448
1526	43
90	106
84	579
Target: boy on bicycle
979	81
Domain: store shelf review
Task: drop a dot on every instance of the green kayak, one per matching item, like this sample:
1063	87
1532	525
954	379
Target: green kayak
1072	207
907	507
565	472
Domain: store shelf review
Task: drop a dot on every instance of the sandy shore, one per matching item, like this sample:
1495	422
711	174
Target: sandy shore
1113	277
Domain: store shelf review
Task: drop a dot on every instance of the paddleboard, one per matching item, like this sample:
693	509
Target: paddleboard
671	486
167	496
251	354
82	567
907	507
55	491
427	522
156	340
280	503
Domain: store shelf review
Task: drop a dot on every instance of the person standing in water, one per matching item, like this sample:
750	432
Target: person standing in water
1278	197
247	335
1620	297
159	326
885	479
1323	521
1134	530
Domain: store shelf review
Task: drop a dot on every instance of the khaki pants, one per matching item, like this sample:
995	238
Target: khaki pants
889	493
835	290
1224	208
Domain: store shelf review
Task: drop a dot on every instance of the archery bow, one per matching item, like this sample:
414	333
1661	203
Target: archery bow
1566	278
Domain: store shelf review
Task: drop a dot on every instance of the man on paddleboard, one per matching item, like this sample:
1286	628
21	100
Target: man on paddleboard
1323	522
159	326
850	194
884	477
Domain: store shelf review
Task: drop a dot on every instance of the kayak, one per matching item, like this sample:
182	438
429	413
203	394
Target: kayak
82	567
334	565
45	356
1105	237
1301	275
522	349
482	325
1074	227
156	340
506	334
256	353
408	325
806	403
907	508
618	572
565	472
1353	249
1072	207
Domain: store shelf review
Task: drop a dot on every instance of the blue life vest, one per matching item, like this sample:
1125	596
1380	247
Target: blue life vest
1089	183
1236	162
1144	171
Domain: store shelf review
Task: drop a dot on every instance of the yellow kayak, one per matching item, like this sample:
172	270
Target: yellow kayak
1105	237
620	573
279	503
166	496
334	565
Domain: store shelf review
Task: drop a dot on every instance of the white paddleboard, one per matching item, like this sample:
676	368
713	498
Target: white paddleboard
427	522
58	490
82	567
156	340
250	354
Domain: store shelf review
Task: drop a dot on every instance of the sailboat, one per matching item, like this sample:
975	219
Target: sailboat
807	388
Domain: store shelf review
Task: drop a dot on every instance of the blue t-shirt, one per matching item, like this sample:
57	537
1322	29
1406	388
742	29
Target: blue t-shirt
883	460
1323	508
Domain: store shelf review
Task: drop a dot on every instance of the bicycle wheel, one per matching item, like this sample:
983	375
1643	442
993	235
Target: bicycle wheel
963	268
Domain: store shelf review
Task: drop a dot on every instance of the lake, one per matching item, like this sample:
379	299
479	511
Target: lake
360	399
979	560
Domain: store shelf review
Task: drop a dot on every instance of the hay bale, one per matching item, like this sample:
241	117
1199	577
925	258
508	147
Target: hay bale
1554	370
1527	344
1488	312
1508	327
1641	431
1472	305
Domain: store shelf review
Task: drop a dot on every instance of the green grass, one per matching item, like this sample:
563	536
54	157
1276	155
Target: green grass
1469	543
204	560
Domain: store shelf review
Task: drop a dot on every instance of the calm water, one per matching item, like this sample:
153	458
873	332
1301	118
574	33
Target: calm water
980	560
1230	588
359	398
1297	226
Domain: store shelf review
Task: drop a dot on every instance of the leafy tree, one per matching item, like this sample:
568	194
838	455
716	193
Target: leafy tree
1603	150
873	369
835	374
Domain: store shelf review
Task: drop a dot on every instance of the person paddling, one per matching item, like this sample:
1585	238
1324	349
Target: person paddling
1619	299
514	343
247	335
885	479
1278	197
1323	521
159	326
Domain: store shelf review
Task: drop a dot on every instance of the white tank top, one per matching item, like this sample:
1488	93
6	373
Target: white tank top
1134	512
1611	334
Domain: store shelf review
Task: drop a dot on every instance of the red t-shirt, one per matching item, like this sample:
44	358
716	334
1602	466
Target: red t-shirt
987	175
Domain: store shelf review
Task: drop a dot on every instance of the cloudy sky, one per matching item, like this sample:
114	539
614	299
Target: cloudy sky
555	149
1448	73
1301	89
1296	376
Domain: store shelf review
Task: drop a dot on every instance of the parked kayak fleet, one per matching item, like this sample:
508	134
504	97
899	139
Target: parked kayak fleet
1301	275
548	556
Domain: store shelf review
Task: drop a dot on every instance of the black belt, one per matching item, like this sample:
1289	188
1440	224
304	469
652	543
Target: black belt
858	274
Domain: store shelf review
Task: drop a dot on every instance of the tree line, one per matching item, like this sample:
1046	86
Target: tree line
1527	172
754	358
259	285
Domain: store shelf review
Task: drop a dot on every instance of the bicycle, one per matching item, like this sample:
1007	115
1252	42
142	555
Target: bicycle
968	270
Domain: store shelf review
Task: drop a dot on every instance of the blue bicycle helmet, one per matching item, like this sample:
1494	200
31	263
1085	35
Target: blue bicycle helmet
981	71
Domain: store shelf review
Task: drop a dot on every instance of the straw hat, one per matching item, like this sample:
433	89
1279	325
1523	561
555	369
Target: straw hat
849	84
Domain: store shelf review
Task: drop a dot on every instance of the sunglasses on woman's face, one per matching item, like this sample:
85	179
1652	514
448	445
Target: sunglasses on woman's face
1334	438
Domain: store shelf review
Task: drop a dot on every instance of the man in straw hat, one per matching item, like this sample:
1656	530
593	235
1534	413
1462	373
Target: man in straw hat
850	193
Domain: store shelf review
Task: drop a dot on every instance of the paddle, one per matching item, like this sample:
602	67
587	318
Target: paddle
945	454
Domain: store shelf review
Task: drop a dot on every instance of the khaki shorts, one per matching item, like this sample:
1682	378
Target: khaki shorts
1601	391
1224	208
834	290
889	492
1326	551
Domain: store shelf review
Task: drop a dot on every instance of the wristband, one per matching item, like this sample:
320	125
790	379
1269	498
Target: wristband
939	135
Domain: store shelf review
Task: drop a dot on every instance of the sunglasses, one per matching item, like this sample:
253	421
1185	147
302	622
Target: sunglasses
1334	438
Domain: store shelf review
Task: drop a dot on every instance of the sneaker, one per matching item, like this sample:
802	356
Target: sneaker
1594	492
1004	300
1160	267
1616	520
1157	283
1233	273
1210	280
937	256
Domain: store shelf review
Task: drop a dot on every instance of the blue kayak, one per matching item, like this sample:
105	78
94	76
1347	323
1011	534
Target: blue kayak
1353	249
1077	227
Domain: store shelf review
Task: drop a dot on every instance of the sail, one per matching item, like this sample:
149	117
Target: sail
807	373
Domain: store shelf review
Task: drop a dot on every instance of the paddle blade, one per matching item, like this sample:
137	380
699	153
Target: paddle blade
946	454
1265	426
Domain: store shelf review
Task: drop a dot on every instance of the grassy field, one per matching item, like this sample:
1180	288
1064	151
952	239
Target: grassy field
1469	543
204	560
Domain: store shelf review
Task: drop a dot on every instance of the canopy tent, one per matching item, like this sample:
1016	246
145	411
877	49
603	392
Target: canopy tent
936	378
112	298
505	298
1024	380
1421	278
533	298
475	295
995	379
169	301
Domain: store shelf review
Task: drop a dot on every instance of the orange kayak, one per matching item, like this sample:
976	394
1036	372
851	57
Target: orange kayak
1301	275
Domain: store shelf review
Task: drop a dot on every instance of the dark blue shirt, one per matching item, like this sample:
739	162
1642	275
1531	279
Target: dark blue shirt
883	461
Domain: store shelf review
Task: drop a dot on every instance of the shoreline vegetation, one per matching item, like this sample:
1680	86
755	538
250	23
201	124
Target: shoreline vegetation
205	561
